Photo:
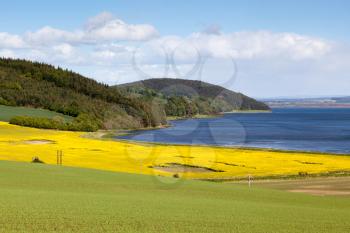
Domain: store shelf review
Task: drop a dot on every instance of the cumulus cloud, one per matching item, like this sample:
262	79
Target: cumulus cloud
110	36
118	30
7	53
260	44
10	41
128	52
99	29
249	45
104	27
48	35
98	21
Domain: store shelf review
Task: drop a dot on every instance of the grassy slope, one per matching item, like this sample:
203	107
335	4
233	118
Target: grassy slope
44	198
7	112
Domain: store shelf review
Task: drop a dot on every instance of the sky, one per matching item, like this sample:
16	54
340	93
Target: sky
261	48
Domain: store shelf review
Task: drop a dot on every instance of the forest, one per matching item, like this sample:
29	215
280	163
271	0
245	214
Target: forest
186	98
38	85
96	105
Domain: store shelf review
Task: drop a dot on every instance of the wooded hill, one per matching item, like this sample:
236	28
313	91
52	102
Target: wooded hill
190	97
95	105
98	106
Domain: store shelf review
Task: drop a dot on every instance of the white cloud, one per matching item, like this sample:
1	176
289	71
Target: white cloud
10	41
109	54
239	45
65	50
99	29
260	44
48	35
7	53
117	30
65	53
105	27
104	54
98	21
106	49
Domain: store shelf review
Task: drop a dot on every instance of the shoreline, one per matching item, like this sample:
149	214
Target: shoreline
198	116
216	162
248	111
220	114
231	147
113	134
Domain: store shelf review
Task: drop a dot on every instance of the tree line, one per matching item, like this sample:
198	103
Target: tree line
39	85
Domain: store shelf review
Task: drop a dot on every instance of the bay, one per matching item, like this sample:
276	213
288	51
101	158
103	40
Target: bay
300	129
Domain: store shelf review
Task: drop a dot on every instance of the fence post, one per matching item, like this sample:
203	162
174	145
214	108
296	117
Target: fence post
249	180
59	156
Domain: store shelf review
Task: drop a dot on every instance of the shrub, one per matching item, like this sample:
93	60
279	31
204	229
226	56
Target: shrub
3	101
36	160
82	123
302	173
36	122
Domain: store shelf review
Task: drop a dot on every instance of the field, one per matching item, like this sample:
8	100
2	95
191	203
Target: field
46	198
321	186
7	112
197	162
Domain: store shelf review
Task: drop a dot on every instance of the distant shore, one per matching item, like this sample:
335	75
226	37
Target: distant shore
248	111
204	116
198	116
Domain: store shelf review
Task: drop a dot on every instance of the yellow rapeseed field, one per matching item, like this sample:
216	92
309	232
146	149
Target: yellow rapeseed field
22	144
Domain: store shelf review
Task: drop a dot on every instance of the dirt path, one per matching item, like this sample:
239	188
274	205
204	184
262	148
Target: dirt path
325	186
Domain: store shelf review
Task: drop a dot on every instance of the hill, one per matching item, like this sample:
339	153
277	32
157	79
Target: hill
94	105
62	199
190	97
345	99
320	102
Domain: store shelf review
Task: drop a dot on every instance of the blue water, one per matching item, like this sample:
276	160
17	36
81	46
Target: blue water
321	130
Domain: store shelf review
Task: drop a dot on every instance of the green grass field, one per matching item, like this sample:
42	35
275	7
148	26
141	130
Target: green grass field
44	198
7	112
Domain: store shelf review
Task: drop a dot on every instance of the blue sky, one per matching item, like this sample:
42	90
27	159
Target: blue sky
324	18
300	47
